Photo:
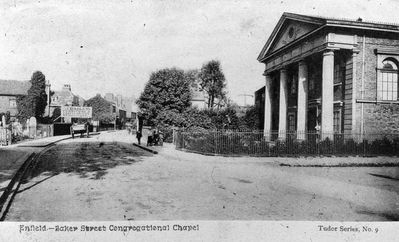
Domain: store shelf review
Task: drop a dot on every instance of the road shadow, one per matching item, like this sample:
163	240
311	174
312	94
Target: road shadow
35	184
387	216
384	176
10	161
86	159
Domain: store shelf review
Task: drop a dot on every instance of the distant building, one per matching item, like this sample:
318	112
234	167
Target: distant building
119	104
198	97
126	107
131	108
337	74
64	97
9	92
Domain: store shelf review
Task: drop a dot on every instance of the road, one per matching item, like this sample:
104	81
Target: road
105	177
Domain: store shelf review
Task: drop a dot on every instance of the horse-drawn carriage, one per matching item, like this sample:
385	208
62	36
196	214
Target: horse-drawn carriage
80	129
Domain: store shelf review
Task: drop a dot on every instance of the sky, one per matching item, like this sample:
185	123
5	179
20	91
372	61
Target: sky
113	46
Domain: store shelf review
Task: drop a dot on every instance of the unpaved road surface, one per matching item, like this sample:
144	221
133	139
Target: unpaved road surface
107	178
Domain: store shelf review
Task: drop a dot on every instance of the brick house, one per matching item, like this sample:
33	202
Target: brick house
9	92
340	75
64	97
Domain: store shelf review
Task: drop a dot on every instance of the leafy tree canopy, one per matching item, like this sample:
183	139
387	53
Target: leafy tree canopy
34	103
101	109
225	118
213	82
166	90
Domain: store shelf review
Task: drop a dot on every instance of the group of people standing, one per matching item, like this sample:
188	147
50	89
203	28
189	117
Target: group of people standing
155	137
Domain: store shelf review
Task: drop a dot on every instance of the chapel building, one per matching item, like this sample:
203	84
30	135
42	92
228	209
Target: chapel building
332	75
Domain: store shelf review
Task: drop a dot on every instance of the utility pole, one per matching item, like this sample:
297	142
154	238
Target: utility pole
245	97
48	92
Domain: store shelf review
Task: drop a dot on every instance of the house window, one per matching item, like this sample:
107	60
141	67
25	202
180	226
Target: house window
337	121
291	122
13	103
339	77
387	84
338	73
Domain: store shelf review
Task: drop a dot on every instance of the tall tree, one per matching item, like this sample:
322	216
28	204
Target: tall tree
213	82
101	108
34	103
167	89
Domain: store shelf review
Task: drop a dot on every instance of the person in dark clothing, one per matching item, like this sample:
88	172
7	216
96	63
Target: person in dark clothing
138	136
155	136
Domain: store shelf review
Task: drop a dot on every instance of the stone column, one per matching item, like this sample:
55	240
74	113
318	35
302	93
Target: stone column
302	105
327	98
268	109
282	123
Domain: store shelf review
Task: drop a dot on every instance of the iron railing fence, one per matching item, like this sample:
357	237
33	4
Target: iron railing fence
289	143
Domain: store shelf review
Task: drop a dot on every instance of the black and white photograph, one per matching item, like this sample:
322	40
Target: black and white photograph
199	111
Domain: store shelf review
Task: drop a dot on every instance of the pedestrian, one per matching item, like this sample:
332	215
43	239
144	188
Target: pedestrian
138	136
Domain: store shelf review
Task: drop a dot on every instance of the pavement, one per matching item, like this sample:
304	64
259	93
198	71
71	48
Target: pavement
12	157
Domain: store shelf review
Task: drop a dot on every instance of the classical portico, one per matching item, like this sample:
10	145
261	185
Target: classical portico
308	78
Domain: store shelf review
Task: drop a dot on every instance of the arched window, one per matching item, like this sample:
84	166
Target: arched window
387	86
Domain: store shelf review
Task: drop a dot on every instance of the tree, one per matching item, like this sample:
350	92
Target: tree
167	89
213	82
34	103
101	109
251	119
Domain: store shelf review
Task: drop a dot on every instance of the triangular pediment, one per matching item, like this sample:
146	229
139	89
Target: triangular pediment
290	32
289	28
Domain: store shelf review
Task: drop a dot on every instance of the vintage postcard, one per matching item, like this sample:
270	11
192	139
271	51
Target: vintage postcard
199	120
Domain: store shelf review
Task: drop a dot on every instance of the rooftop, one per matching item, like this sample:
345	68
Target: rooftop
343	21
14	88
321	22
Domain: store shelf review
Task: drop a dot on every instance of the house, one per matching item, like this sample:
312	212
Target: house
119	104
9	92
198	97
131	108
337	74
65	97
